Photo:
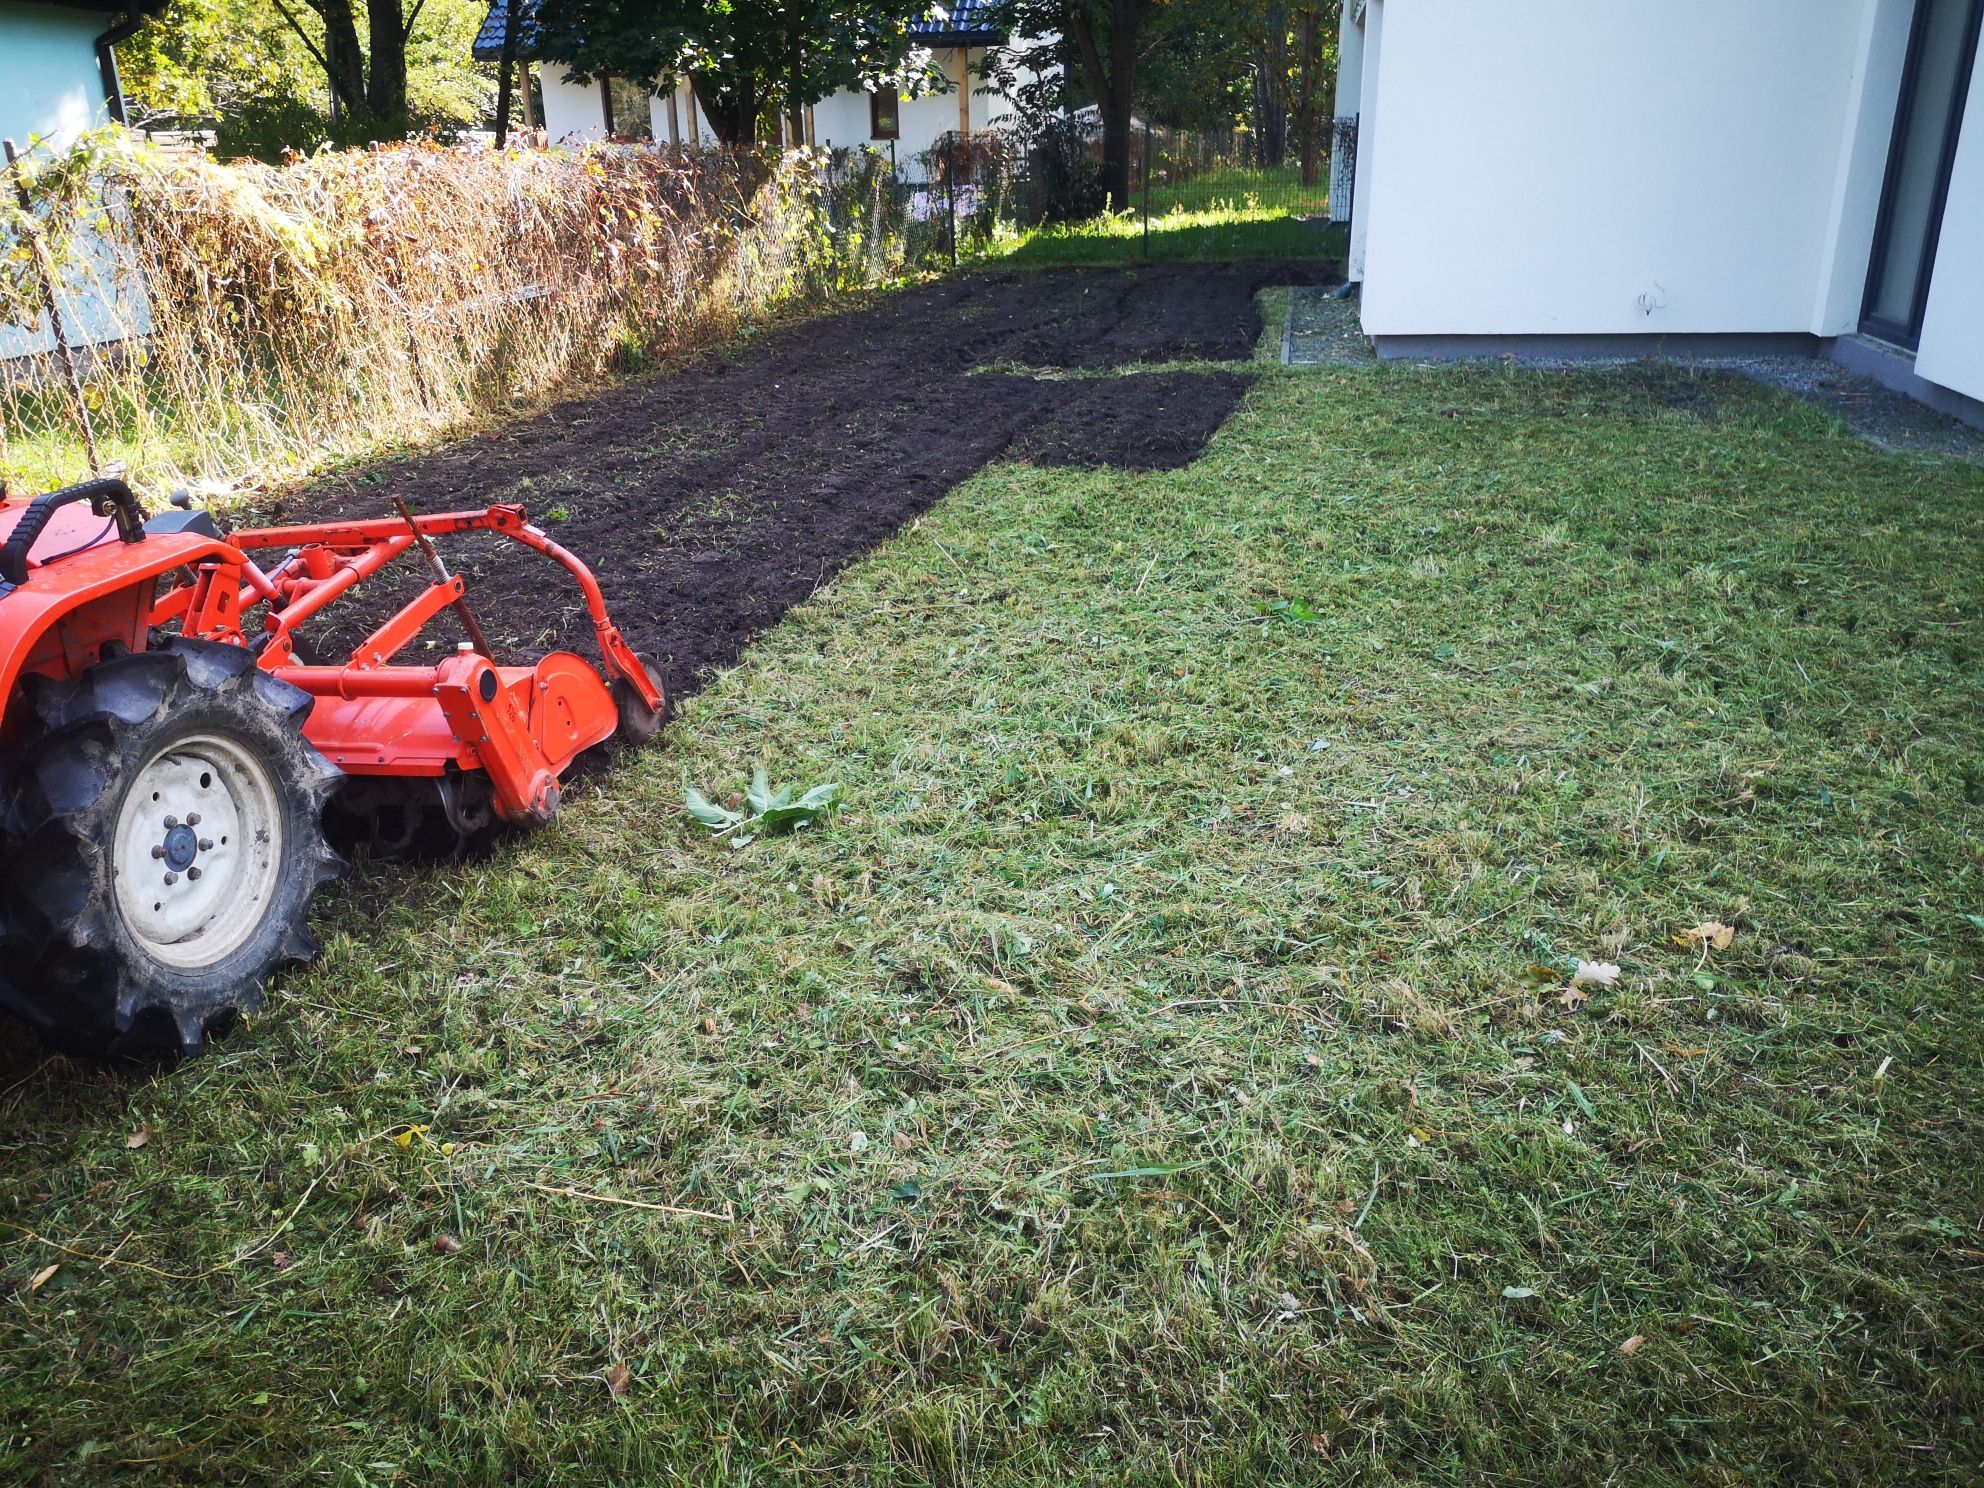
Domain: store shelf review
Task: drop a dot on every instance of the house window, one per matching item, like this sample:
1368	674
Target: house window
884	110
627	112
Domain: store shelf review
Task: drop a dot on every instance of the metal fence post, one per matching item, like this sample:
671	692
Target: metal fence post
951	199
1146	188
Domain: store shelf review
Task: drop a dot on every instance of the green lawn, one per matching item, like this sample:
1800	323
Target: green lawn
1162	1070
1219	215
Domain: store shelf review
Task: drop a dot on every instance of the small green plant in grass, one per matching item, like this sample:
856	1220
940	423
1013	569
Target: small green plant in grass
762	811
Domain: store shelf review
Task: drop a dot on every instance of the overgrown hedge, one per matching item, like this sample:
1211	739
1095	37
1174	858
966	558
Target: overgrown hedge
272	319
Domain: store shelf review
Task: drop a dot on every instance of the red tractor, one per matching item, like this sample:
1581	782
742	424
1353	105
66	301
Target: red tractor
169	744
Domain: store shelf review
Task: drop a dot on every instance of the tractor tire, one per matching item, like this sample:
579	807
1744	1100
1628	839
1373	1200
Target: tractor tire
161	837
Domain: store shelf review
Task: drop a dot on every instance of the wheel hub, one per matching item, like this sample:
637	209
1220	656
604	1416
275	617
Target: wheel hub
181	846
198	850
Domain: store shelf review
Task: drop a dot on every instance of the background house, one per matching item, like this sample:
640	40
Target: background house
955	36
1561	176
58	78
58	74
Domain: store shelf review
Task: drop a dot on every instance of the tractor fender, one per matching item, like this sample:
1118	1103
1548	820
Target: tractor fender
59	621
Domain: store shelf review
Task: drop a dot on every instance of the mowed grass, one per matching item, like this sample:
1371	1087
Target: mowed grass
1148	1077
1224	215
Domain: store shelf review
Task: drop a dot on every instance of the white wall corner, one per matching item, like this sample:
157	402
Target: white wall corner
1364	207
1873	90
1951	353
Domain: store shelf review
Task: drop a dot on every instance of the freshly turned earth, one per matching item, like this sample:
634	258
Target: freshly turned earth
712	498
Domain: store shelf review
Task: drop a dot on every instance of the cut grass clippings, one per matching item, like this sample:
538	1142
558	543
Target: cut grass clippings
1164	1067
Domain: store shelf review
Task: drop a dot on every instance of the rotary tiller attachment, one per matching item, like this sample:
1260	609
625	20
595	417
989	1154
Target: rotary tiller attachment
166	757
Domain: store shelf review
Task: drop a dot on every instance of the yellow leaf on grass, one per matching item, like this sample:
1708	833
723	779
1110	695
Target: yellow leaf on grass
40	1278
1711	933
404	1140
1633	1345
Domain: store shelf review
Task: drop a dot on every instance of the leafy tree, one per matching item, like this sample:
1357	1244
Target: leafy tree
1190	63
1082	51
275	73
743	58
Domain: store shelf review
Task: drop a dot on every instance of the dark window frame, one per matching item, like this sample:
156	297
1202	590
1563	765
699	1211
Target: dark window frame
1909	336
877	113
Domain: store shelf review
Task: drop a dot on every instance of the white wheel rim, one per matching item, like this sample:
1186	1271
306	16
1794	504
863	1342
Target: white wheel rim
198	851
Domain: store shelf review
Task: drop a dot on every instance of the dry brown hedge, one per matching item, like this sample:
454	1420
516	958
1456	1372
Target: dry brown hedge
274	319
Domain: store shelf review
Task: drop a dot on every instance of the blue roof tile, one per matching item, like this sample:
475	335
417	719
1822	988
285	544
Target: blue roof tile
956	23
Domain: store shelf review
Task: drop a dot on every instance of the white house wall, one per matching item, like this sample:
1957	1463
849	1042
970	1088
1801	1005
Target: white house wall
572	111
50	86
842	120
1861	166
685	106
1952	347
1371	21
1349	93
1673	169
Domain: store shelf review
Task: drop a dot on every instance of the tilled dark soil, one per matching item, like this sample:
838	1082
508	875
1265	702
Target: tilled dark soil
712	498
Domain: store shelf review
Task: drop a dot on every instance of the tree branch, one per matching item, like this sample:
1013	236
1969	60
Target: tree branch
304	36
1084	34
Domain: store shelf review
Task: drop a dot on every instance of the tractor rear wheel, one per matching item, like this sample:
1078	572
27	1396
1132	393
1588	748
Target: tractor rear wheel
161	836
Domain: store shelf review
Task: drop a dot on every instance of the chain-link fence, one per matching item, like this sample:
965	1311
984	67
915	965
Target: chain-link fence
1199	191
1209	186
942	204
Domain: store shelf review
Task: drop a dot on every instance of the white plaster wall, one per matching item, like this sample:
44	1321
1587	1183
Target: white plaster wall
842	120
1862	166
572	111
1952	347
1372	57
1349	93
1600	166
685	105
49	82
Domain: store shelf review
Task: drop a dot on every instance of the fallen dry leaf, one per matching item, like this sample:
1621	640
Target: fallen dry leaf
1711	933
709	1025
1572	997
618	1378
138	1138
1633	1345
1595	974
447	1244
40	1278
279	1259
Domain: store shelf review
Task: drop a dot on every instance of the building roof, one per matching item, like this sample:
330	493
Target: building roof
489	40
949	23
959	23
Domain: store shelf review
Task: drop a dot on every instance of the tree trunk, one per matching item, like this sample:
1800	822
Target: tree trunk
1271	91
1113	86
1308	122
344	58
732	111
506	76
385	90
